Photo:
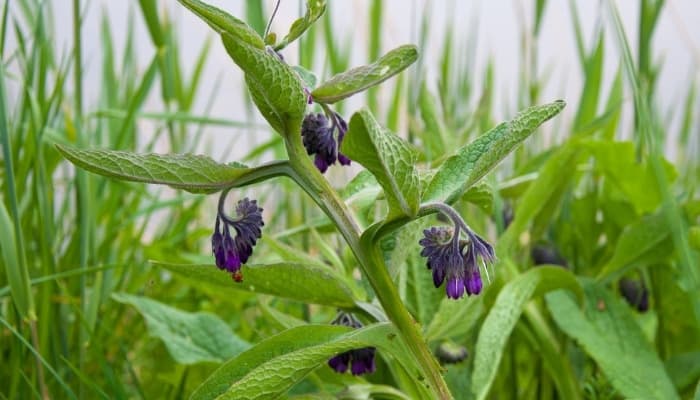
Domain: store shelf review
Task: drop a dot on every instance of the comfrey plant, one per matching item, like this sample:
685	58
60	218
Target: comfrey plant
455	255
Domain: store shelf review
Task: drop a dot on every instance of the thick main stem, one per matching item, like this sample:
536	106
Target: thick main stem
372	266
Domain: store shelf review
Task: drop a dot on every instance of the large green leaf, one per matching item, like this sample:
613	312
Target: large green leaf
307	283
358	79
503	316
607	331
553	177
640	242
274	365
314	10
221	22
455	318
471	162
275	88
194	173
388	158
189	337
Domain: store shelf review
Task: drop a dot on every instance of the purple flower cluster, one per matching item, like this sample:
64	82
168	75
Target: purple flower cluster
319	139
231	252
454	260
360	361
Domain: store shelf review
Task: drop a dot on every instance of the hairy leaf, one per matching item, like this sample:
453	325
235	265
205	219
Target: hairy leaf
505	313
471	162
314	10
222	22
358	79
274	365
307	283
607	331
388	158
274	87
636	243
194	173
189	337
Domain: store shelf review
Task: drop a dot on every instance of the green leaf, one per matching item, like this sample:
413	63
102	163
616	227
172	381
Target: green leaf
455	318
607	331
306	283
17	276
193	173
274	87
314	10
189	337
388	158
503	316
471	162
355	80
274	365
637	241
222	22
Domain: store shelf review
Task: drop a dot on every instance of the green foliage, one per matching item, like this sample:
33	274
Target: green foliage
356	80
194	173
74	242
390	159
460	171
505	313
301	282
607	331
190	337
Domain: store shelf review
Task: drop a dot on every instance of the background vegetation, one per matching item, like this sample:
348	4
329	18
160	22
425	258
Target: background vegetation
84	314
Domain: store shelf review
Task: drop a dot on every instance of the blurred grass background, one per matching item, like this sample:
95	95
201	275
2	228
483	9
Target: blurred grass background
147	79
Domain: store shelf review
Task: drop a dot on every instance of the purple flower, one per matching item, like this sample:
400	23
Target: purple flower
454	261
319	139
635	293
231	252
360	361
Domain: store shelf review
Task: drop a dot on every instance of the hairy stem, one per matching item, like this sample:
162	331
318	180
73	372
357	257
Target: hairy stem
316	186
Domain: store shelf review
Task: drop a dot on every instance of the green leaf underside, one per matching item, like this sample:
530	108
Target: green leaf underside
471	162
274	86
607	331
193	173
505	313
189	337
274	365
358	79
306	283
388	158
221	22
314	11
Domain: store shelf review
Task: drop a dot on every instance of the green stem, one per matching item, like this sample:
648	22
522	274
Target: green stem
372	265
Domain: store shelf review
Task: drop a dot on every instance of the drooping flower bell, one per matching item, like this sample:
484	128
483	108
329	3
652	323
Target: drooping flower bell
319	138
635	293
231	252
454	260
360	361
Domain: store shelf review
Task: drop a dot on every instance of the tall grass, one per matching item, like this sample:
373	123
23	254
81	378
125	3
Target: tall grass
70	240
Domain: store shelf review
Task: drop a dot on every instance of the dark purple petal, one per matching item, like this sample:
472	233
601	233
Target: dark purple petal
363	361
232	261
473	282
438	276
343	159
635	293
318	138
455	287
248	227
321	163
340	362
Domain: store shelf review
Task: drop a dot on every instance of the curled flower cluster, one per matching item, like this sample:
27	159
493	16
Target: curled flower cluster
455	260
319	139
231	252
360	361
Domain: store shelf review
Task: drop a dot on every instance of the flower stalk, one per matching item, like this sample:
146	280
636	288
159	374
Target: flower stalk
371	264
